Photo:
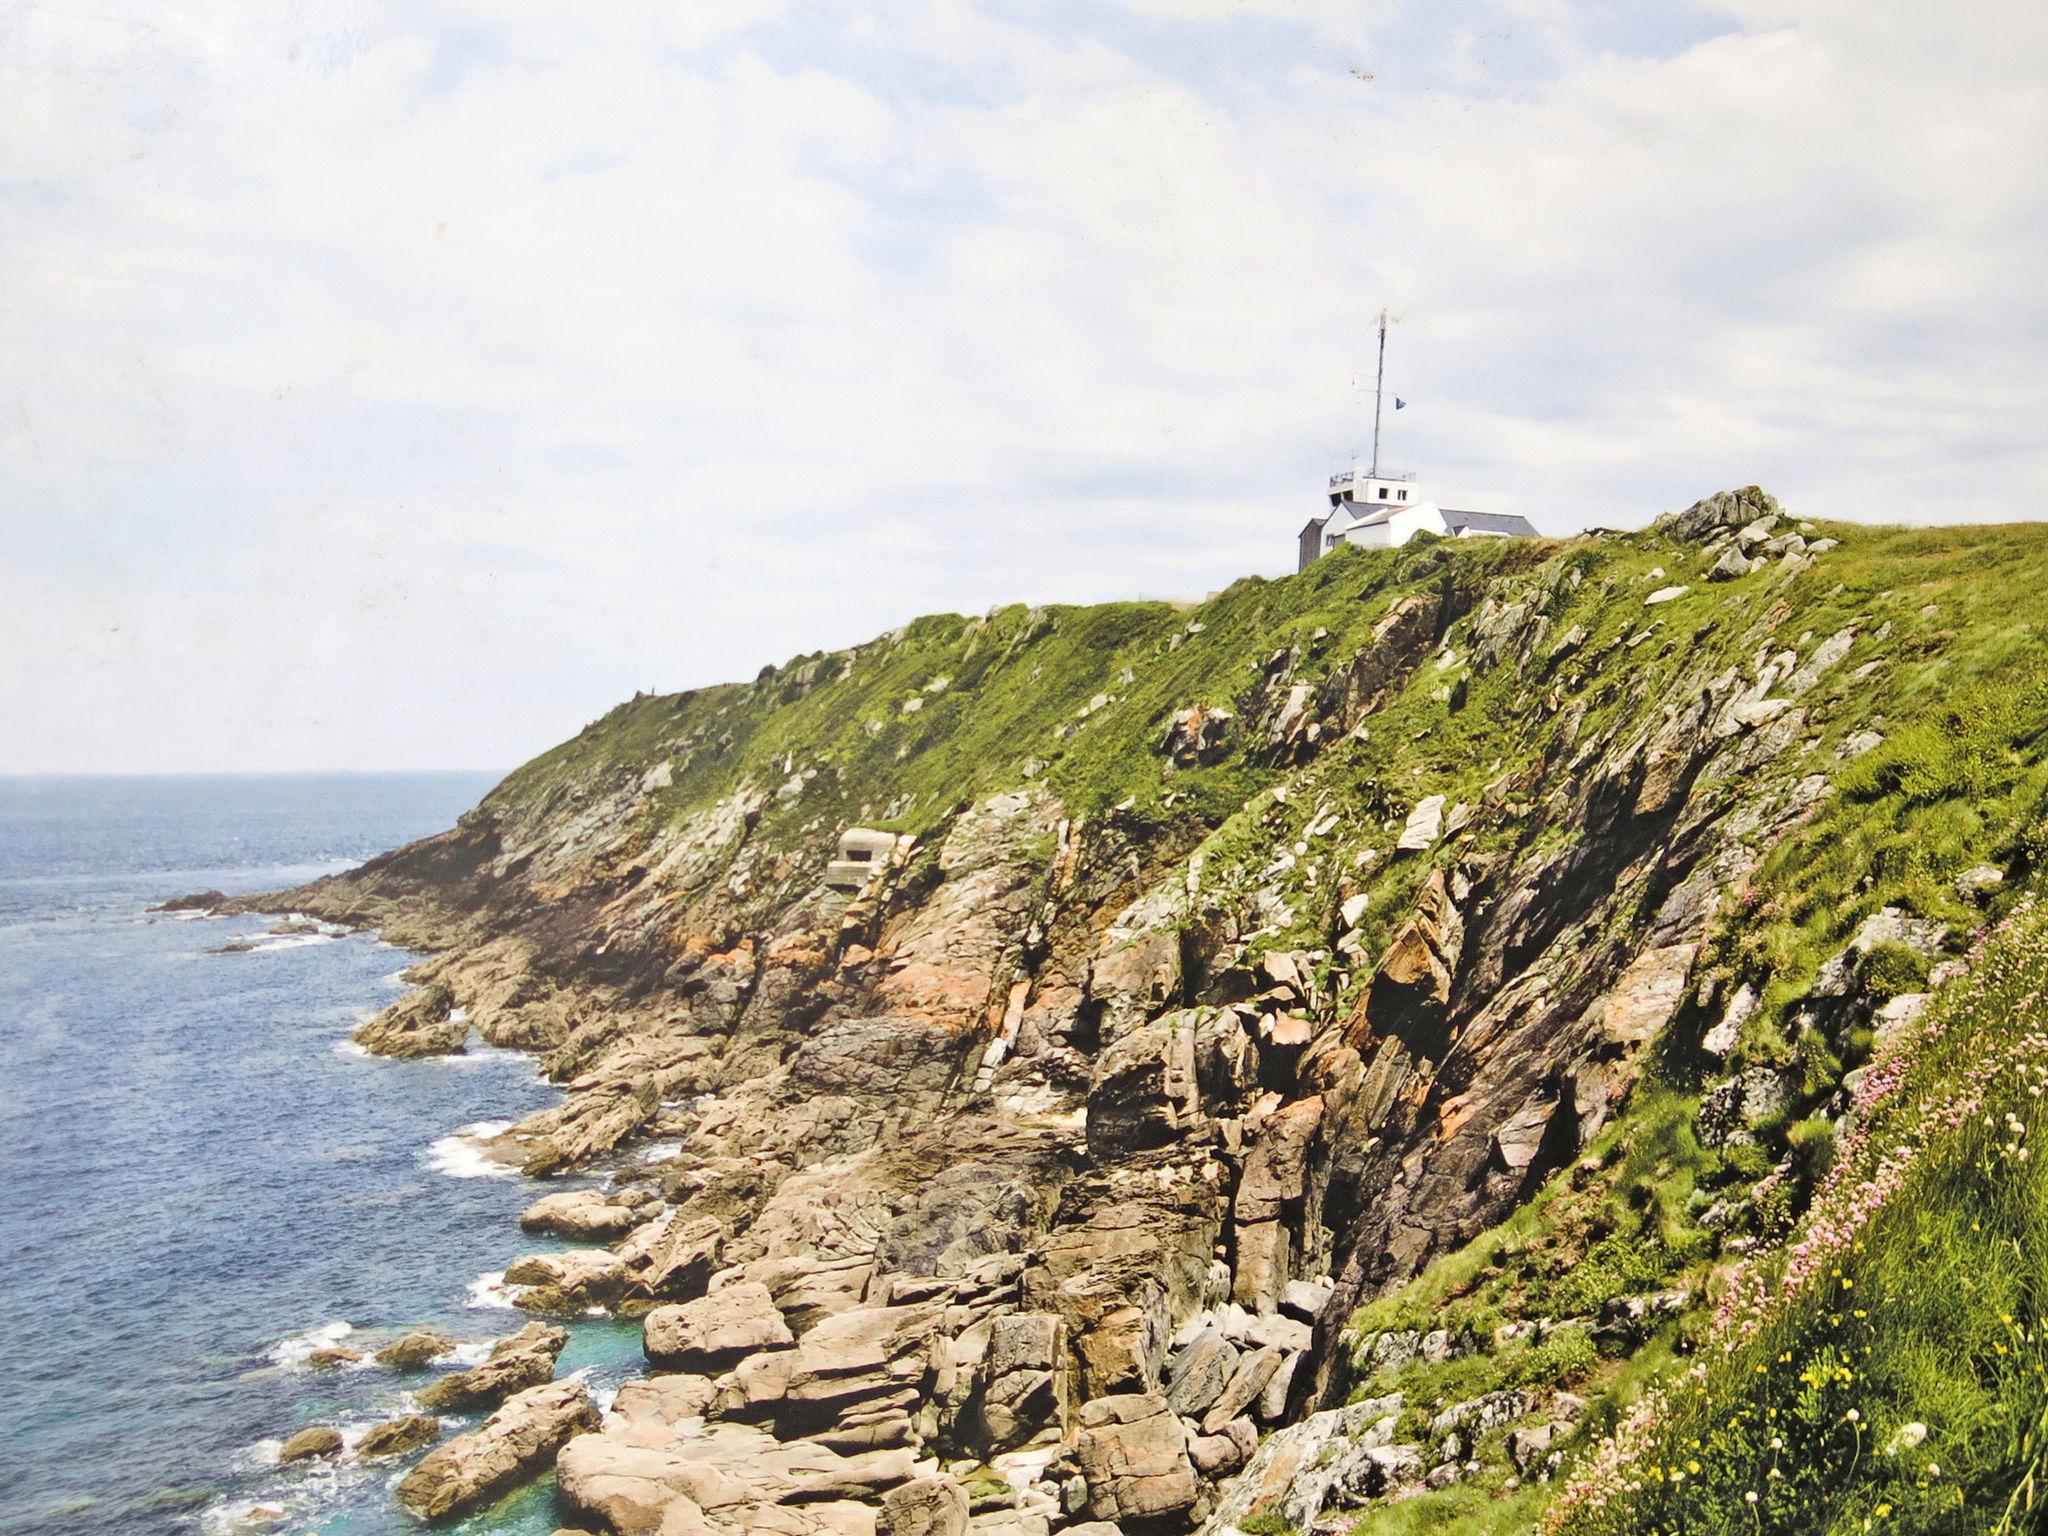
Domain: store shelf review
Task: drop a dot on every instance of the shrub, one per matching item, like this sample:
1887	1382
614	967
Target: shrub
1891	969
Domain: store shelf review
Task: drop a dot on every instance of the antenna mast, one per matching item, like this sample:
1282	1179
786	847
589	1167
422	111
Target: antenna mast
1378	389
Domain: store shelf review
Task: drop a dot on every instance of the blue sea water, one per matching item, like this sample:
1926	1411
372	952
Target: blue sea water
200	1179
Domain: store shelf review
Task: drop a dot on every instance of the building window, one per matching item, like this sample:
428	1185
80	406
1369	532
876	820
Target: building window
860	855
1404	495
1383	493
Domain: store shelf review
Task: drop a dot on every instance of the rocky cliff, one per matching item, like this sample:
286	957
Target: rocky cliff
1297	1057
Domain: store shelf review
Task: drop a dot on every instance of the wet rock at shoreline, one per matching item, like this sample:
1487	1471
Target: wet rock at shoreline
196	901
425	1022
333	1358
521	1360
396	1437
411	1351
310	1444
514	1444
568	1282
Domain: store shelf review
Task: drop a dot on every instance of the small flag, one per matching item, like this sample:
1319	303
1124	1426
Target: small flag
1400	404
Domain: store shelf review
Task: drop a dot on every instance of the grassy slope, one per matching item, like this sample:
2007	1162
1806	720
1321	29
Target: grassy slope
1960	690
1947	664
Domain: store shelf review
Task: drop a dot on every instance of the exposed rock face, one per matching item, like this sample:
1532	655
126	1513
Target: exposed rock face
521	1360
1065	1144
513	1444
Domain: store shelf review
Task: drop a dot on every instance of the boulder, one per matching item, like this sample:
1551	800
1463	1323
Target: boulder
1134	1455
925	1506
698	1479
716	1331
411	1351
515	1443
1246	1382
308	1444
581	1215
396	1437
1196	1376
333	1358
522	1360
425	1022
1424	826
568	1282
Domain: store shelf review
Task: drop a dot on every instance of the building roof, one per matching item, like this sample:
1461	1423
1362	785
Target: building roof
1490	522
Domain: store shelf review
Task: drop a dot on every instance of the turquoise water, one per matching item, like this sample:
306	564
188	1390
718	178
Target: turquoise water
199	1178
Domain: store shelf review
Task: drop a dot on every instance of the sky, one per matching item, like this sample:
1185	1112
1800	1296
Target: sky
400	385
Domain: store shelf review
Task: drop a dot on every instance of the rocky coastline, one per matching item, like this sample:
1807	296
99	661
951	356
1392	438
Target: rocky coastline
1032	1187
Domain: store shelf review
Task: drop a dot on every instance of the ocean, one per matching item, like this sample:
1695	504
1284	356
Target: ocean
201	1180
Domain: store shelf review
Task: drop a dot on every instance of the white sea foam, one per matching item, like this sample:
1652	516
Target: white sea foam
476	1351
274	942
297	1349
661	1152
489	1290
461	1155
346	1046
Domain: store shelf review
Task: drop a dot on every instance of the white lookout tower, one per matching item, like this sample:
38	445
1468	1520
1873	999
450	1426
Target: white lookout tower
1377	508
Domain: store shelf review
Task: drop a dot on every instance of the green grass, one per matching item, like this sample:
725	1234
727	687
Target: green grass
1905	1386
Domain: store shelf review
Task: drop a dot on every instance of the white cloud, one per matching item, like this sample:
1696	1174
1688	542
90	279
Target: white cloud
391	384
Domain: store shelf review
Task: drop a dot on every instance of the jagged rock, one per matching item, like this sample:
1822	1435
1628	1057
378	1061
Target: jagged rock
1530	1444
1199	735
1480	1415
333	1358
925	1506
1742	1006
310	1444
674	1258
1741	1102
1732	565
513	1444
411	1351
666	1399
581	1215
1246	1382
1144	1090
1424	826
716	1331
855	1379
1372	1472
1725	510
1219	1455
1291	1472
398	1437
568	1282
195	901
1198	1374
425	1022
1134	1455
1304	1300
1973	883
519	1361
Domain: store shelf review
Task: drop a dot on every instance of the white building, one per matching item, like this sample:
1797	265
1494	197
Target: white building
1379	510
